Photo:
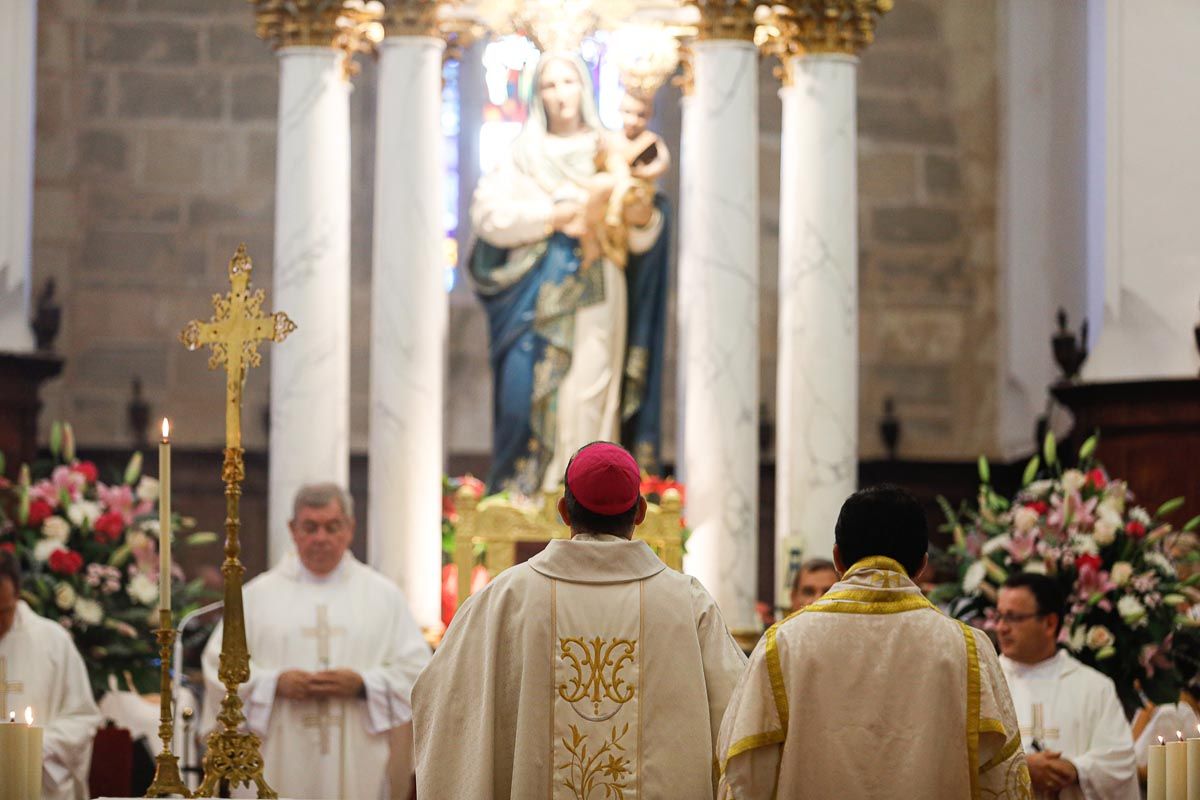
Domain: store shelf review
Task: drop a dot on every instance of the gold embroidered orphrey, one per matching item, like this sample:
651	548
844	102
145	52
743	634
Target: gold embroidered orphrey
7	687
234	333
602	660
1038	729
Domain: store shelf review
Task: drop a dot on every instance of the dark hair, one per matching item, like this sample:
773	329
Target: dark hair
10	568
1045	590
585	521
1185	651
882	521
812	565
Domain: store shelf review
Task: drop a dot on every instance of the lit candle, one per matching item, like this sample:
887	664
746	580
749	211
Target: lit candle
1156	771
1193	766
33	758
164	517
1177	768
14	753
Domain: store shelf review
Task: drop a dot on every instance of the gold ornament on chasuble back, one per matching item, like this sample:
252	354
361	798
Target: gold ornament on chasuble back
595	724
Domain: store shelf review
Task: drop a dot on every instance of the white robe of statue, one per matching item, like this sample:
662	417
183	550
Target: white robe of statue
871	692
1073	709
352	618
40	668
590	671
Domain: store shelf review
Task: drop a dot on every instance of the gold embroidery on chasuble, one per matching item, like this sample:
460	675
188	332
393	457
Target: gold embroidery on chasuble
596	704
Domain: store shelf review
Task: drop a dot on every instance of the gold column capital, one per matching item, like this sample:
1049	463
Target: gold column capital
725	19
793	28
351	26
412	18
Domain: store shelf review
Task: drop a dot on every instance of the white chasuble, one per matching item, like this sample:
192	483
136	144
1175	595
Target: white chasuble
41	669
591	672
872	692
353	618
1073	709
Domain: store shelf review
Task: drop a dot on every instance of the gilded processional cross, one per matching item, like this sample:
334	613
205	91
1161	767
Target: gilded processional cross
234	333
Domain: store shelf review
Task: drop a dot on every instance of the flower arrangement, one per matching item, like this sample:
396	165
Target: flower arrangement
1109	555
89	555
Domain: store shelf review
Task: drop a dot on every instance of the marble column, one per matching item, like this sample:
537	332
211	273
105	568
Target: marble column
816	445
719	318
18	63
409	317
310	376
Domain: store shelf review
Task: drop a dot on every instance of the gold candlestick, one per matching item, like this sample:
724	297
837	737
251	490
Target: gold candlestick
234	333
167	780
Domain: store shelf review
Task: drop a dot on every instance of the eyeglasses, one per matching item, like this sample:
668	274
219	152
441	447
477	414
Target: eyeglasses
1010	618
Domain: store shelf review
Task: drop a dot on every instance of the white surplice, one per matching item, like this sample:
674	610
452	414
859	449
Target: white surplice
871	692
590	671
353	618
40	668
1073	709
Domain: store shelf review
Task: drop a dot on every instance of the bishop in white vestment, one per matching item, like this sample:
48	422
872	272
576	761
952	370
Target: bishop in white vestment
871	692
1072	725
334	652
41	669
590	671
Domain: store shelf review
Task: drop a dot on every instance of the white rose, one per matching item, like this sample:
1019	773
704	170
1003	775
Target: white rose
1073	480
1084	545
974	577
89	611
56	528
1025	518
1105	533
46	548
1038	567
1099	637
147	489
83	511
1132	611
142	589
1122	571
64	596
1078	639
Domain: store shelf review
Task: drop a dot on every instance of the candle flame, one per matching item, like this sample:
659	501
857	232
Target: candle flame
1179	735
166	429
28	715
1161	740
12	716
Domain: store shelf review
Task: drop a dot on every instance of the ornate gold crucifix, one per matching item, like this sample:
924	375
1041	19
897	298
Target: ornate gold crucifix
234	333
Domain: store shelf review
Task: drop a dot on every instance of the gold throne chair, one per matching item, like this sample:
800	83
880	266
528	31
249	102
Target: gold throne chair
499	524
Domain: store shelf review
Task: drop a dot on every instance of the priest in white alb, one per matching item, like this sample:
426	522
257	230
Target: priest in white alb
870	692
590	671
41	669
334	652
1079	743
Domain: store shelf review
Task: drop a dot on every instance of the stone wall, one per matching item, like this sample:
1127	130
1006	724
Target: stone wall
155	157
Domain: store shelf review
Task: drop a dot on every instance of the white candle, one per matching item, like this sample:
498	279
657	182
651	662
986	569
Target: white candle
14	754
164	517
1193	766
1177	768
33	758
1156	771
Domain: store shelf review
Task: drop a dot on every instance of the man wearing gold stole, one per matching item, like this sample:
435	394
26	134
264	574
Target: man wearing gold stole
870	691
334	653
590	671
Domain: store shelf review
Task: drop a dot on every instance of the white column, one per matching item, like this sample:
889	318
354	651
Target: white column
718	264
816	442
310	373
408	325
18	70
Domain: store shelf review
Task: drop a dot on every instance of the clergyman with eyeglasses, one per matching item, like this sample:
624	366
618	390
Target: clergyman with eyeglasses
334	653
1076	738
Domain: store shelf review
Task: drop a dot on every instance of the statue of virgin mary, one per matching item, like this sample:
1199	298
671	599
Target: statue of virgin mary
575	342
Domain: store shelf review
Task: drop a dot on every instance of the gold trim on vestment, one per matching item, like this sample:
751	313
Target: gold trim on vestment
775	672
989	725
875	562
1010	748
973	724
